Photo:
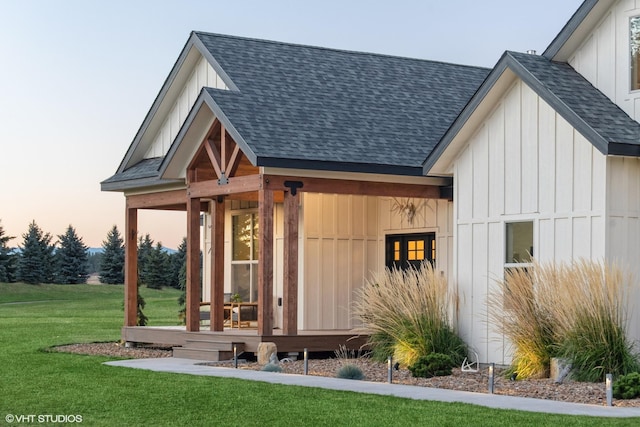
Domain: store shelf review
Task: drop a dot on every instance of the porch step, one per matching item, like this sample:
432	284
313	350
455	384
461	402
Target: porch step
211	351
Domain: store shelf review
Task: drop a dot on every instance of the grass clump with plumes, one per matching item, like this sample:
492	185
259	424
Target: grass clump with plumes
575	311
405	313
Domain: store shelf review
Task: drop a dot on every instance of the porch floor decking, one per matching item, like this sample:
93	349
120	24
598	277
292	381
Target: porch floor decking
312	340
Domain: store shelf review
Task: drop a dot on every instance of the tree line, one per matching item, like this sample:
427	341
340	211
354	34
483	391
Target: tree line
68	261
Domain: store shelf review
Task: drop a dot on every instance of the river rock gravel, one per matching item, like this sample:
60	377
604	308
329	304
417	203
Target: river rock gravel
568	391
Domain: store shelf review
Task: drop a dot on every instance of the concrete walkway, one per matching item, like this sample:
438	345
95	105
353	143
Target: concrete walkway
194	367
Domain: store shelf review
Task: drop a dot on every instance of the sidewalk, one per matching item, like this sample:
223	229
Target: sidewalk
193	367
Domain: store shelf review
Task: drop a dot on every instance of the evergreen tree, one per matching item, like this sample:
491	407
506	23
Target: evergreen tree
112	265
94	262
7	259
71	258
145	249
178	260
158	268
36	262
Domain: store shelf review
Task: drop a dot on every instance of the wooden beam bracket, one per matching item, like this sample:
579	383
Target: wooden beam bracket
223	180
293	186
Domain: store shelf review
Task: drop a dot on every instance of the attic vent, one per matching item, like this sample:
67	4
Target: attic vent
531	52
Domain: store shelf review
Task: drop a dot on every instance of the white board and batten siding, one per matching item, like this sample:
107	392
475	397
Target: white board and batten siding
623	226
604	57
524	163
203	75
344	246
340	251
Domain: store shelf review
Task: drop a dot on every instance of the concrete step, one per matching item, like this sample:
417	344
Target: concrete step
212	351
213	345
201	354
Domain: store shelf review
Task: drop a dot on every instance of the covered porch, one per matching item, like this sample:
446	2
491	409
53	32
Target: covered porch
219	171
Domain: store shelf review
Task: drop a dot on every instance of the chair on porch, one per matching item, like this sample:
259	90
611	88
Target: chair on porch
205	311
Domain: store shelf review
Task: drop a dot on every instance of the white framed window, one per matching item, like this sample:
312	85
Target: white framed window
518	243
244	255
519	252
634	51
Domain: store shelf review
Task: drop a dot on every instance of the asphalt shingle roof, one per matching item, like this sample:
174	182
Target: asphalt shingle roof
302	103
579	96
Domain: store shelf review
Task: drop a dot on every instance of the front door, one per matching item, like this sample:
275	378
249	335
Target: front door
405	250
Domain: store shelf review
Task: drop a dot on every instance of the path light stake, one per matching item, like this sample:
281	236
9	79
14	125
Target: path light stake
235	356
607	383
390	369
306	362
491	369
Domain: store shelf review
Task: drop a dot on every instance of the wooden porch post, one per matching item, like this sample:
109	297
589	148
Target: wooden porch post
193	265
290	279
217	264
131	267
265	263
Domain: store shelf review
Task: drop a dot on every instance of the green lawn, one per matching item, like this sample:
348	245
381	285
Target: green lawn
34	381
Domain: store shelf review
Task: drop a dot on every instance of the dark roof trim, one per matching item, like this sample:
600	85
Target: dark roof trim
193	41
464	115
156	103
618	149
213	62
137	183
569	28
206	98
561	108
339	166
508	61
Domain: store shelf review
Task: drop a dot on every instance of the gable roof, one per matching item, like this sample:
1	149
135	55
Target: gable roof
576	29
587	109
307	107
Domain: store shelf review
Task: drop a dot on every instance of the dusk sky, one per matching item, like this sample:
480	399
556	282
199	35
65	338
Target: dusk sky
78	77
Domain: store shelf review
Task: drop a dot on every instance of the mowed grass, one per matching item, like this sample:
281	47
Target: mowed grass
36	381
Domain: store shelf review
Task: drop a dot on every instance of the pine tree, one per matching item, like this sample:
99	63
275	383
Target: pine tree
112	265
71	258
7	259
36	262
145	249
158	268
178	260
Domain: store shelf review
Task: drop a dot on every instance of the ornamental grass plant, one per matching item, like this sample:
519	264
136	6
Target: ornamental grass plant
523	316
405	313
575	311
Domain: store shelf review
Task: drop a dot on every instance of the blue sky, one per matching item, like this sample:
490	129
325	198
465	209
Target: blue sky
78	77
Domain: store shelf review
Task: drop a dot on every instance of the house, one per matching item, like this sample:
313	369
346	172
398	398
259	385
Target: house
312	168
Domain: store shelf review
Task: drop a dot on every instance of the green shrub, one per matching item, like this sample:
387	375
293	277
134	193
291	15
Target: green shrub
405	313
627	386
350	372
432	365
271	367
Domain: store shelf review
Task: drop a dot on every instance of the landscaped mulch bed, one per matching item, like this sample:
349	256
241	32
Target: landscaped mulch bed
569	391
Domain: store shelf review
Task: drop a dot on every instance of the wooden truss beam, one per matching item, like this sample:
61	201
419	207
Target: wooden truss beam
238	184
365	188
160	200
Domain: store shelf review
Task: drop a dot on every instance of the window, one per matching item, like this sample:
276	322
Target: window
519	251
244	260
519	242
634	49
407	250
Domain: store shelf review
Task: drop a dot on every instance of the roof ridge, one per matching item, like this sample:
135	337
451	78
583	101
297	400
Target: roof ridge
345	51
